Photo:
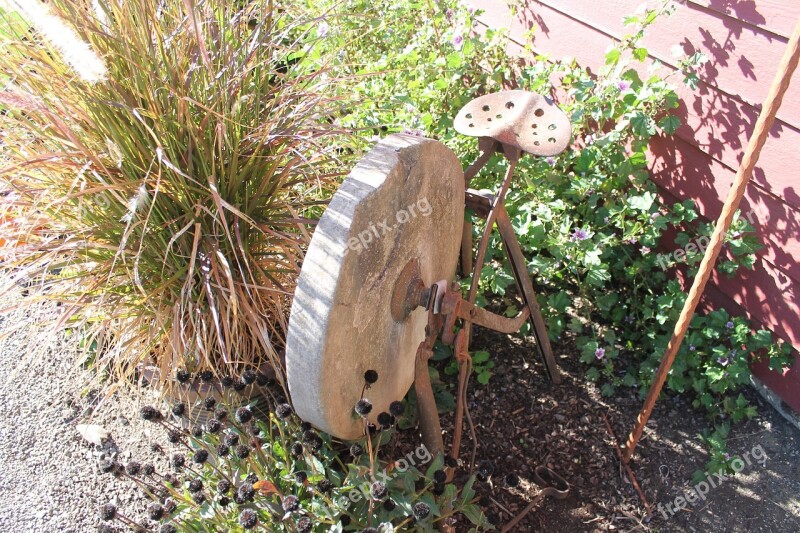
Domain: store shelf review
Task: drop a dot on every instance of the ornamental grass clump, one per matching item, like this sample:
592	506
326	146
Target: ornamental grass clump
161	157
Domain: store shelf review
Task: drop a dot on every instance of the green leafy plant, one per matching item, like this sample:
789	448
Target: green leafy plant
591	220
164	154
482	366
243	469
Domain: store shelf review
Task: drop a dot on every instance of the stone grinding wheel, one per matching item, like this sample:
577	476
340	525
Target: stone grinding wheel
404	200
527	120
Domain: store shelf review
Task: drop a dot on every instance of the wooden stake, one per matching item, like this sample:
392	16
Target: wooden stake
765	120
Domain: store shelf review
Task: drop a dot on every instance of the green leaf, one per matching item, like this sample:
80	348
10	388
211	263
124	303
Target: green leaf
669	124
640	53
612	57
475	515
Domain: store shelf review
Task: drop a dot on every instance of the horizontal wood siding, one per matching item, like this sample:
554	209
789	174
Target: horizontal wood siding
744	42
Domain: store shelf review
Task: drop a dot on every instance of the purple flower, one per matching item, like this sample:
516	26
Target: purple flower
655	215
449	14
599	353
645	249
458	40
729	325
629	319
579	234
632	240
727	456
623	86
551	161
415	133
724	361
692	348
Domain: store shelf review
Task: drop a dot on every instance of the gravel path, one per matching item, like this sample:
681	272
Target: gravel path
49	478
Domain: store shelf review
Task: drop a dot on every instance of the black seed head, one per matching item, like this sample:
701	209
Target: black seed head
305	426
290	504
356	450
397	409
231	439
197	432
421	510
389	505
226	382
148	469
133	468
363	407
195	485
297	449
451	462
438	489
370	376
168	528
206	376
484	471
199	498
378	490
178	409
224	501
156	447
300	477
304	525
239	385
223	450
440	476
386	420
345	520
106	466
251	478
325	486
108	511
213	426
262	379
183	375
242	451
369	530
150	413
209	403
238	499
174	436
223	486
244	415
511	480
170	506
155	511
248	519
249	377
283	411
246	491
221	414
177	461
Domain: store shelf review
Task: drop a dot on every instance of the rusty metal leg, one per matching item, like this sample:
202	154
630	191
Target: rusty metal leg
520	267
429	423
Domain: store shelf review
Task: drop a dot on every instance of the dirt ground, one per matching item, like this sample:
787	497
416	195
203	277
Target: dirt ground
522	421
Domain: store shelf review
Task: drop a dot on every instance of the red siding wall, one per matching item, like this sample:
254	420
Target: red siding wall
744	41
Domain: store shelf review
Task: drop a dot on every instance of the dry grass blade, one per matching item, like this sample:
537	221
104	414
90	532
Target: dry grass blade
163	202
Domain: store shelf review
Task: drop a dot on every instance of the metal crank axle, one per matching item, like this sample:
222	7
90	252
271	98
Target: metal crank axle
445	305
